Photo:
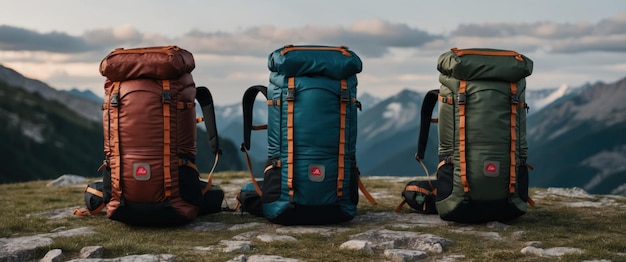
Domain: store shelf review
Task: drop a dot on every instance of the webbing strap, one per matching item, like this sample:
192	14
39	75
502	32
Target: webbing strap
289	48
428	106
342	137
257	188
85	212
463	161
399	207
210	178
167	177
448	100
462	52
116	166
367	194
514	104
94	191
417	189
291	85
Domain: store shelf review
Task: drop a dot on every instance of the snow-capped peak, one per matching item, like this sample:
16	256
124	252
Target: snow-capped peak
558	93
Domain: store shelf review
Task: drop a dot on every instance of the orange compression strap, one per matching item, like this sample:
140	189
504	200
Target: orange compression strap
463	161
417	189
462	52
342	49
166	139
116	166
514	104
94	191
366	194
210	177
291	85
342	136
257	188
446	99
399	207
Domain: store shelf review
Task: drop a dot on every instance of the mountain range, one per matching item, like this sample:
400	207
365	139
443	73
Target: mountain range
574	133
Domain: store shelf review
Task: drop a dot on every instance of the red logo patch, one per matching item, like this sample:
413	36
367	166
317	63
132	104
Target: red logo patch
316	171
141	171
491	168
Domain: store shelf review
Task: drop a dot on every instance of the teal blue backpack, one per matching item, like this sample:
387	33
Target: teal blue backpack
311	175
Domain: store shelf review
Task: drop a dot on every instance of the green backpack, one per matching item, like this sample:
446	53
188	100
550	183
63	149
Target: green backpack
482	174
311	175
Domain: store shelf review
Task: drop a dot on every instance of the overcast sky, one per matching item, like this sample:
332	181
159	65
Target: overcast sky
62	42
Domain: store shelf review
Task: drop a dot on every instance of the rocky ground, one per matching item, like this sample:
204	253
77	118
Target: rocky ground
393	242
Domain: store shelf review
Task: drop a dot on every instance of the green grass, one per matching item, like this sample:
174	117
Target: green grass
598	231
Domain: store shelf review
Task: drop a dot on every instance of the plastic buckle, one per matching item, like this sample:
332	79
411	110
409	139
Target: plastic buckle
461	98
166	97
359	105
115	100
345	96
514	98
291	95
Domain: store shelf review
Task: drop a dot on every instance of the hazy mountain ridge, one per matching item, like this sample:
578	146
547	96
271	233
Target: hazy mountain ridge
580	140
86	108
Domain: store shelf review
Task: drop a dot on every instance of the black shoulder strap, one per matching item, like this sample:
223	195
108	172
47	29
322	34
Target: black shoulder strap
248	104
425	119
204	97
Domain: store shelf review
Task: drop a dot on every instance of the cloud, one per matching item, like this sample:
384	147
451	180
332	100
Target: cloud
14	38
607	35
367	37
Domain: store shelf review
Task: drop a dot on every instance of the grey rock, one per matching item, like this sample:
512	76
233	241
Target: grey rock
91	252
245	226
389	239
272	238
550	252
322	230
54	255
245	235
228	246
359	245
560	251
133	258
20	248
532	251
573	192
67	180
231	246
402	255
518	235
